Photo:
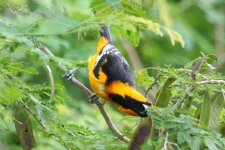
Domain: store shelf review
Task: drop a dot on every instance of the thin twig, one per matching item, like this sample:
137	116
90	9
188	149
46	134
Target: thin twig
45	49
166	142
209	81
151	86
39	120
78	84
170	144
182	98
51	81
190	88
13	13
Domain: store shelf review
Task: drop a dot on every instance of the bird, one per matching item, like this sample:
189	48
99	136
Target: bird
111	78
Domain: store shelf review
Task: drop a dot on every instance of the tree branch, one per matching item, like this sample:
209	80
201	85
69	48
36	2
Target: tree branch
109	122
78	84
166	142
51	81
209	81
182	98
39	120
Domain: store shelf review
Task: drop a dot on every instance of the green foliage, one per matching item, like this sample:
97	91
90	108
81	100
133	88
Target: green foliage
69	29
180	94
163	95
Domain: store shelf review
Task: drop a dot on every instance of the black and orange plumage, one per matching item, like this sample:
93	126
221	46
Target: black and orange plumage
111	79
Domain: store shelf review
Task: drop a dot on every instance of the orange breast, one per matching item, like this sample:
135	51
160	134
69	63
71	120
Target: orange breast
97	84
123	89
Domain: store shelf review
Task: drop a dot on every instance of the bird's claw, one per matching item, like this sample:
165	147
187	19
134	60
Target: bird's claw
69	75
93	98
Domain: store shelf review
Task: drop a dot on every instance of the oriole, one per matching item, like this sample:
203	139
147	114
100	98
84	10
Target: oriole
111	79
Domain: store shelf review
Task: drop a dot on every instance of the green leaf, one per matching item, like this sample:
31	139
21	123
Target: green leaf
168	110
210	144
164	93
142	78
135	38
205	109
152	26
132	8
174	37
217	105
101	7
160	143
28	70
196	143
181	137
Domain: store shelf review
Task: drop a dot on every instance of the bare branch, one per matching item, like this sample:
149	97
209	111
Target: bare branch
51	81
209	81
190	88
45	49
78	84
166	142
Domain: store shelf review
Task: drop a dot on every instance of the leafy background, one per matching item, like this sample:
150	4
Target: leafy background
164	37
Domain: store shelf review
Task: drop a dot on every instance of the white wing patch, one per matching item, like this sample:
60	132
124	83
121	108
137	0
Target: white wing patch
145	106
110	49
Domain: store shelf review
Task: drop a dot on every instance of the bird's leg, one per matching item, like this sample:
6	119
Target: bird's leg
69	75
93	98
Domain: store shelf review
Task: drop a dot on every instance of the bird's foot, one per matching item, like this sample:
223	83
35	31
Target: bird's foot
69	75
93	98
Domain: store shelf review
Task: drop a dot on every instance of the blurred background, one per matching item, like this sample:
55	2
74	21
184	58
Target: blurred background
201	23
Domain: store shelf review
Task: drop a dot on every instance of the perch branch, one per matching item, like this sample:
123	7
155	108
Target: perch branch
78	84
109	122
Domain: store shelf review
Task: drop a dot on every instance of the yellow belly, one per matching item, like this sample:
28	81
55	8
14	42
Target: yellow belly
97	84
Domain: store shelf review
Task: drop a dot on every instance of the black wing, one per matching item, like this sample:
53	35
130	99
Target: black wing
113	65
130	103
